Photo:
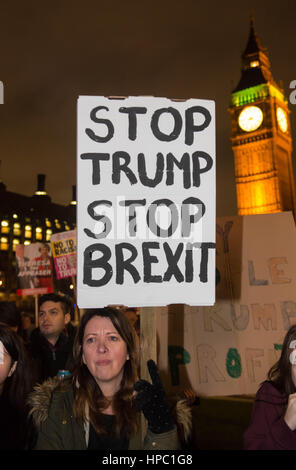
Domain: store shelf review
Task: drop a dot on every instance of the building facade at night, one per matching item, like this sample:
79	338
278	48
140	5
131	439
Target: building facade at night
26	220
261	136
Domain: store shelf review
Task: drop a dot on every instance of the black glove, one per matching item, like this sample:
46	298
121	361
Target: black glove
152	400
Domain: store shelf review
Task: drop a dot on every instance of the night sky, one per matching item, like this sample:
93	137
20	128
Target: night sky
49	55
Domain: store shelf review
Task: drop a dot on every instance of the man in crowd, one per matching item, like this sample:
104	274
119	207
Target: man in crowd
51	343
133	317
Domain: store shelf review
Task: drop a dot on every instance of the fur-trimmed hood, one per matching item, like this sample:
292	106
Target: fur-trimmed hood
184	418
40	400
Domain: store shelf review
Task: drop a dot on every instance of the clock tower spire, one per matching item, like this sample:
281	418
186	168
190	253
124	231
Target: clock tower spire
261	136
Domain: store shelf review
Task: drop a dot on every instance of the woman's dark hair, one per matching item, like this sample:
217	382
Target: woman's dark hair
281	372
19	429
9	315
87	390
20	383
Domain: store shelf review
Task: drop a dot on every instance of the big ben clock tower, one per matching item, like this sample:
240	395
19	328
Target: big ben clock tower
261	137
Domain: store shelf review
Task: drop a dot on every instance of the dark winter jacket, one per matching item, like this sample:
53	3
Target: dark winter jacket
268	429
16	431
52	410
48	360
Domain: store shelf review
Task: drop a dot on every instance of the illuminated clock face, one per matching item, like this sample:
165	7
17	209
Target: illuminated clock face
282	119
250	118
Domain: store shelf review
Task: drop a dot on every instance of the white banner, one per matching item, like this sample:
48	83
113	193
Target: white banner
228	349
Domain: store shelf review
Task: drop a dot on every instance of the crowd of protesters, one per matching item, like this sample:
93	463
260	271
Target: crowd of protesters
98	406
29	356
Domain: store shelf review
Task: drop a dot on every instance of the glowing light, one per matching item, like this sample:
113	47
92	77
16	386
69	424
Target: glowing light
282	119
28	231
250	118
254	63
15	242
5	226
40	193
16	228
3	243
254	93
38	233
48	234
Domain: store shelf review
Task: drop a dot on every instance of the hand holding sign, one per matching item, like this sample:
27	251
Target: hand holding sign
152	400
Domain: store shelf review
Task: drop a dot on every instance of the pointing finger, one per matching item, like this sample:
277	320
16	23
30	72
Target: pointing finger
153	371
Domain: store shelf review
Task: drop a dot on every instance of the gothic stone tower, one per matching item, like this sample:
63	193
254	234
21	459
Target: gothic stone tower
261	137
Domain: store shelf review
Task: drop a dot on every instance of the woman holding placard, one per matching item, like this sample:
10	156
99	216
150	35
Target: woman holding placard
273	421
98	407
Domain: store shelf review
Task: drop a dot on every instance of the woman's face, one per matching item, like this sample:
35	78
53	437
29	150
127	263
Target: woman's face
6	366
293	371
292	359
104	353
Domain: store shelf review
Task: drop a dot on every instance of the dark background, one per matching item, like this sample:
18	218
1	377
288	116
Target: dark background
51	52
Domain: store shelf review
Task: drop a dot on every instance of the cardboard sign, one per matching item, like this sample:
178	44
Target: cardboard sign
146	201
228	349
34	269
63	247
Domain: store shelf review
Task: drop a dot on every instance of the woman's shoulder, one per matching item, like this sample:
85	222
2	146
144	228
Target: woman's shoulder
269	391
51	394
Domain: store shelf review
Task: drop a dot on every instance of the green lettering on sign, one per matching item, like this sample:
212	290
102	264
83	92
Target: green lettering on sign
177	356
233	363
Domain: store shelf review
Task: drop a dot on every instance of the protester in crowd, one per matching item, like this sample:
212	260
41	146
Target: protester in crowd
273	420
27	326
10	316
16	381
134	318
98	408
51	343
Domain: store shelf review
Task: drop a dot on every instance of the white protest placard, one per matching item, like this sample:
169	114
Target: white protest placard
228	349
34	269
146	201
63	246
